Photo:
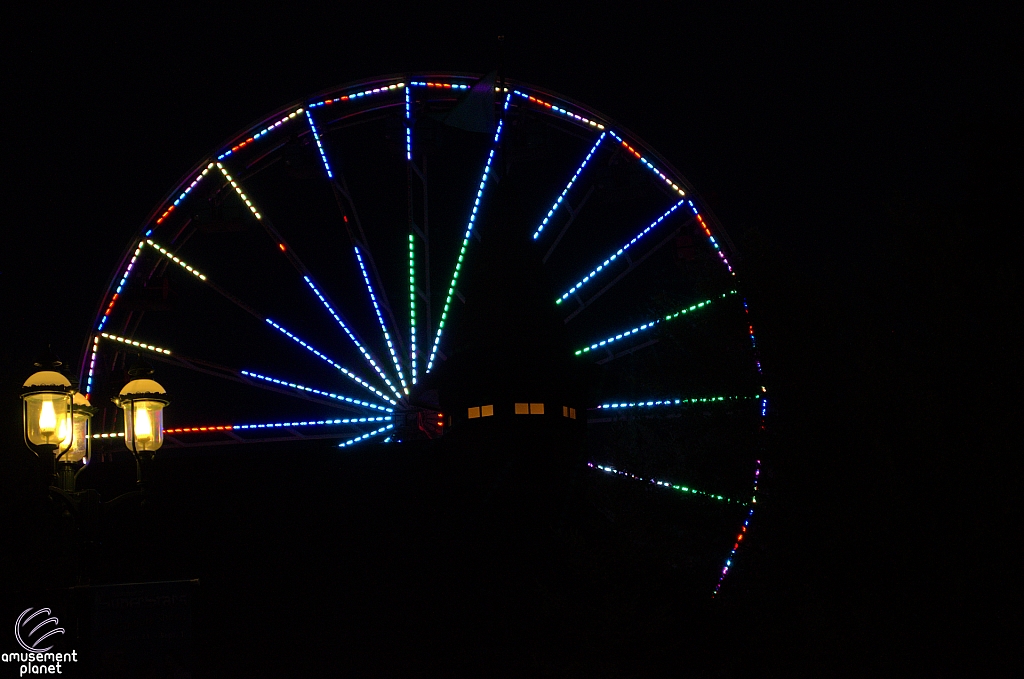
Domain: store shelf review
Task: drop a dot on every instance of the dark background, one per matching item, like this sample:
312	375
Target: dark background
864	162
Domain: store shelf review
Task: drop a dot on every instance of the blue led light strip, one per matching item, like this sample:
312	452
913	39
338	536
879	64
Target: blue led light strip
357	439
319	145
359	95
344	371
568	186
383	327
181	197
739	536
648	325
412	303
293	385
666	484
265	130
557	109
649	164
120	286
351	335
465	239
92	364
276	425
670	402
590	276
408	130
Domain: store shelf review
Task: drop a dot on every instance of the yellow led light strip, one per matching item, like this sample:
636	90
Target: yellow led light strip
176	260
133	343
238	190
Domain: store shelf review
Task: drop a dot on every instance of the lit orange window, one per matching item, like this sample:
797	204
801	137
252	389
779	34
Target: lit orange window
536	408
474	413
486	411
565	411
572	413
522	409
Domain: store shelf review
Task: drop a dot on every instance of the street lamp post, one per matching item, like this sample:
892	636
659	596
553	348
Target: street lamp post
56	421
143	401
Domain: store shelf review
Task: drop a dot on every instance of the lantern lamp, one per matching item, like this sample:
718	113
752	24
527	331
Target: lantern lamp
46	413
143	401
81	416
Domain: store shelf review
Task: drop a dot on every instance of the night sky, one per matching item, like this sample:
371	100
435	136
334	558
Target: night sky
860	161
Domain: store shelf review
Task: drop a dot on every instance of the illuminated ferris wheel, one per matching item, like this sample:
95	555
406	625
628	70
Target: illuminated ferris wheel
416	256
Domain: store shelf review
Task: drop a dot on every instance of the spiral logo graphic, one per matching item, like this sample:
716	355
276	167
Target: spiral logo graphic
26	639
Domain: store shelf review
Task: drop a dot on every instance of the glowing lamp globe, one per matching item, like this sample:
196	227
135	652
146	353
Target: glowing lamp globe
143	402
81	416
46	415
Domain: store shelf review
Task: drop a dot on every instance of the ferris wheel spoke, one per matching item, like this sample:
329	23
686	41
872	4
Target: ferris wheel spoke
561	197
621	252
412	307
364	437
632	264
685	489
360	241
383	325
234	375
465	238
303	388
263	318
351	335
622	404
646	327
300	267
309	422
345	371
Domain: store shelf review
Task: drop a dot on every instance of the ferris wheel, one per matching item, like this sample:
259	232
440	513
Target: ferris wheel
408	257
